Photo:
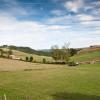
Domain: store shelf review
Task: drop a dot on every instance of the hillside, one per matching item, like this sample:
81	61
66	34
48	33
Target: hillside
28	50
23	55
88	54
90	49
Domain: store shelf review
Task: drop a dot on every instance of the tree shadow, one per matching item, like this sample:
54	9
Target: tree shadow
74	96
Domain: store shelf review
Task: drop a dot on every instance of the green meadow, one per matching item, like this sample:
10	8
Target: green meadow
87	56
51	82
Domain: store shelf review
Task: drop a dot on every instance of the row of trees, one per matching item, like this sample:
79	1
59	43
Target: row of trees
62	54
29	59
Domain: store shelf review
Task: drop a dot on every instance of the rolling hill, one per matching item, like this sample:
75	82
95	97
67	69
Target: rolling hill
88	54
28	50
23	55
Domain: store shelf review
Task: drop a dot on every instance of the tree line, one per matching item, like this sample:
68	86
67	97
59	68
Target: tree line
63	54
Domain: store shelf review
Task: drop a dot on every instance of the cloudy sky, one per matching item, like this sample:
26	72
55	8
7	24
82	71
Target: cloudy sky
42	23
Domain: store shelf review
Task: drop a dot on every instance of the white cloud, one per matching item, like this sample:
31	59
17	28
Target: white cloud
57	12
84	17
74	5
37	35
62	19
58	27
28	33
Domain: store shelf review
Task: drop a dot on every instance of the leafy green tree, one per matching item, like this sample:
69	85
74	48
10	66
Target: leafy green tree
72	51
65	53
26	58
10	52
62	54
55	52
44	60
31	59
1	52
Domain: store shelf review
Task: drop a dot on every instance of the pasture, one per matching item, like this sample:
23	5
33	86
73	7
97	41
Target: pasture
29	81
87	56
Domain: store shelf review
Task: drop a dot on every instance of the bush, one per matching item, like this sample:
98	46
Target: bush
44	60
31	59
72	63
26	58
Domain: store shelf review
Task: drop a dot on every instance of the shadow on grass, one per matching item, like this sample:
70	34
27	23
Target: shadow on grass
74	96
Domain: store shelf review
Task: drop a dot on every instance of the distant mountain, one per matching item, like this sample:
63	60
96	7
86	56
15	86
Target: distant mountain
45	50
29	50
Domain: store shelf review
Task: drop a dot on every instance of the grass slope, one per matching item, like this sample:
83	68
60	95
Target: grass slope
46	83
37	58
87	56
23	55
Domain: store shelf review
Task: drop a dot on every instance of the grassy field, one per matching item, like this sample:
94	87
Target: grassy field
29	81
87	56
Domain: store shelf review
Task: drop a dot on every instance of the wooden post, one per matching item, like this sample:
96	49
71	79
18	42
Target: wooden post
5	98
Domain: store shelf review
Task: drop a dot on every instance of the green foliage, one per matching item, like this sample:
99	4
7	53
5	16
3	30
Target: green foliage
1	52
55	52
71	63
44	60
72	51
31	59
62	54
10	52
26	58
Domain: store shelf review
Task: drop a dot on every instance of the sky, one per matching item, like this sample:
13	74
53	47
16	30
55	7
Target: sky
39	24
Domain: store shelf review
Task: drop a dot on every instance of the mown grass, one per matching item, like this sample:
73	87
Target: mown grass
58	83
86	56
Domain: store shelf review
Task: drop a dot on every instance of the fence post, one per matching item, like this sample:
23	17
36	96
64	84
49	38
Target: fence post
5	98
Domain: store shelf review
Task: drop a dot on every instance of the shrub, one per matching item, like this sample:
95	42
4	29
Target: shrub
26	58
31	59
44	60
72	63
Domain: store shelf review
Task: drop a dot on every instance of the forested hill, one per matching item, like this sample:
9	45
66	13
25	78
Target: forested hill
28	50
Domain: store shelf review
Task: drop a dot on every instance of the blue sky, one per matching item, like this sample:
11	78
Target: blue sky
42	23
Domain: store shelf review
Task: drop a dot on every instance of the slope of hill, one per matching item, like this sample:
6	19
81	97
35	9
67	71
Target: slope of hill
86	54
90	49
28	50
37	58
23	55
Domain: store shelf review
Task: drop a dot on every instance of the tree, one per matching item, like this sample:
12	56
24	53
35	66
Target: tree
26	58
72	51
65	53
1	54
9	52
44	60
55	52
61	55
31	59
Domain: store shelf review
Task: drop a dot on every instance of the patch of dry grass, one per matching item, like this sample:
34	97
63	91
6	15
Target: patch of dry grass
15	65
